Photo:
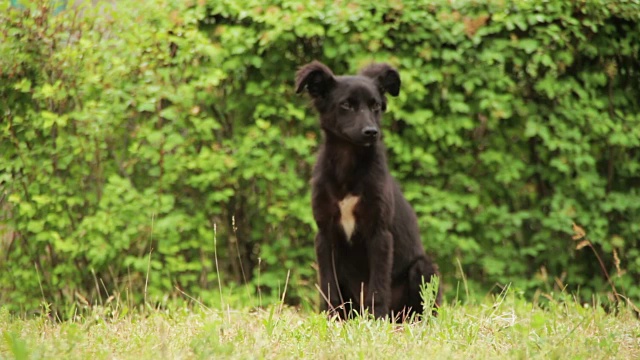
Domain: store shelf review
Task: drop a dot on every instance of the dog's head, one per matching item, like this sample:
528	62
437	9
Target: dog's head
350	106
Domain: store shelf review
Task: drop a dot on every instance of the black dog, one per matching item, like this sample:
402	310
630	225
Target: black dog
368	246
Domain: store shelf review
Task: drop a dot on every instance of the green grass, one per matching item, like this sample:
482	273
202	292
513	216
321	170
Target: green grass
507	327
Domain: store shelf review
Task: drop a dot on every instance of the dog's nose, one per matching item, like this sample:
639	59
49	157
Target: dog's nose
370	132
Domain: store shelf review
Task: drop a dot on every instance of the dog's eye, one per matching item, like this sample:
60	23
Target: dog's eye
376	107
345	105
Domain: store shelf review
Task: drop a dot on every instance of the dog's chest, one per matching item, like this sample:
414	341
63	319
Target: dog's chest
347	218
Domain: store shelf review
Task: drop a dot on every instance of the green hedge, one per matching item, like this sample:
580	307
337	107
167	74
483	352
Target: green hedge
142	141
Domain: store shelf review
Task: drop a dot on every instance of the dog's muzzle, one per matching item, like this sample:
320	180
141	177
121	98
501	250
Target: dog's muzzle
370	132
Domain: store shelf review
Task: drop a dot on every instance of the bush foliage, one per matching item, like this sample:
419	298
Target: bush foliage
141	142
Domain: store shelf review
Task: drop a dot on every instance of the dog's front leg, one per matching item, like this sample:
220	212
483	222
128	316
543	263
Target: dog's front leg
330	292
380	249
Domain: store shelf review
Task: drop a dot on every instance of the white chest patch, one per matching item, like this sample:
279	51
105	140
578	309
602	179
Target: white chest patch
347	220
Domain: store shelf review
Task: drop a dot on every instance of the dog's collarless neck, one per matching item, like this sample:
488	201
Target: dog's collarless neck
349	164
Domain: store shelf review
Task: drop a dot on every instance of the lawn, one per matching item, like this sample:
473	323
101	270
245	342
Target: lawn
505	326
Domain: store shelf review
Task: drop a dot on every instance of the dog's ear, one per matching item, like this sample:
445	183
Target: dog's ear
316	77
387	77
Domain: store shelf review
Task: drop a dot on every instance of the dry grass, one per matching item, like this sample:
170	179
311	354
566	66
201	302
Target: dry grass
507	327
